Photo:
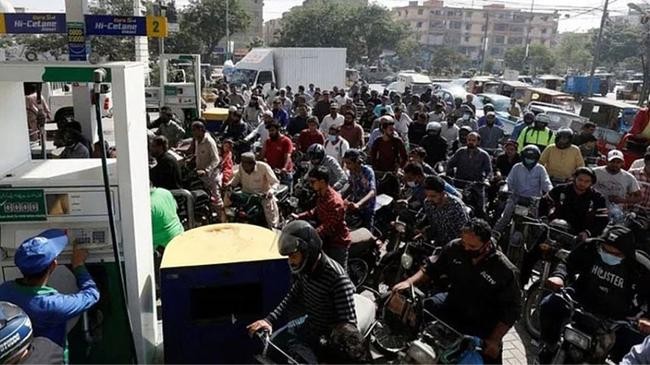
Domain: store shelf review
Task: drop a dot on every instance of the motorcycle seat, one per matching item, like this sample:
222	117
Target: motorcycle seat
361	235
365	310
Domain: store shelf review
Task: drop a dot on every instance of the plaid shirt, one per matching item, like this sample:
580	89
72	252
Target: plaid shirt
644	183
330	213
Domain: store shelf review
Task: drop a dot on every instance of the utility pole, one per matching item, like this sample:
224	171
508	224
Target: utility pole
227	30
529	29
485	40
597	50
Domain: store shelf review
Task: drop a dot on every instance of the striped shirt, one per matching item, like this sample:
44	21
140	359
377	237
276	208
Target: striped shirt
326	296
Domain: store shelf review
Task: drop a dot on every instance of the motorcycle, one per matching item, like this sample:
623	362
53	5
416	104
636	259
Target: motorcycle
366	321
586	338
472	193
363	256
247	207
519	236
404	261
555	249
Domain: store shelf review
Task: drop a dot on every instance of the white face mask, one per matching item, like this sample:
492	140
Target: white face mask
411	184
332	137
465	116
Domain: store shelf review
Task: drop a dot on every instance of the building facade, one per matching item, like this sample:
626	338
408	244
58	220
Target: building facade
272	30
469	30
254	9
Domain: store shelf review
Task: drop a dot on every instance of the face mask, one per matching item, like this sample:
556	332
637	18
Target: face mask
473	253
332	138
465	116
411	184
608	258
529	162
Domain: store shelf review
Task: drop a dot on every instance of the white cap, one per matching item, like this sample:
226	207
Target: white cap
268	113
614	154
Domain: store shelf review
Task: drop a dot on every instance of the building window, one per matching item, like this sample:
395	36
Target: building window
420	11
468	26
516	29
418	25
455	25
500	27
466	39
515	41
499	39
544	31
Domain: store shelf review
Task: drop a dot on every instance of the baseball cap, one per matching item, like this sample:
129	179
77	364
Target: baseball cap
334	106
614	154
37	253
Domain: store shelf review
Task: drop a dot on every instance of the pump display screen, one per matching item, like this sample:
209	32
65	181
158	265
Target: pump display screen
57	204
217	304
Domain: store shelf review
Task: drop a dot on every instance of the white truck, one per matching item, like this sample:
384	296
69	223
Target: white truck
323	67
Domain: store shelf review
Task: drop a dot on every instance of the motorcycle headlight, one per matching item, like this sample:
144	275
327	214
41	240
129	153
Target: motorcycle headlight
406	261
420	353
577	338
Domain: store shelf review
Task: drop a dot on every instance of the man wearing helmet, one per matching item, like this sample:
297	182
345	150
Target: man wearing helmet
362	187
461	141
317	157
434	144
538	134
527	180
608	278
321	290
526	121
483	299
330	215
562	158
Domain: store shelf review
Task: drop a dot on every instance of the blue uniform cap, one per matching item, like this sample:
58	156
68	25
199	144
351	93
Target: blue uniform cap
37	253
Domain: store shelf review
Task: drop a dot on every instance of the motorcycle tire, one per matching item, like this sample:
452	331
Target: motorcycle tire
534	296
515	249
358	271
388	271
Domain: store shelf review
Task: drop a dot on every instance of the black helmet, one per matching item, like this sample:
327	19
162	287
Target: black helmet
620	237
488	106
542	119
531	152
564	138
300	236
529	116
15	332
560	230
316	152
465	130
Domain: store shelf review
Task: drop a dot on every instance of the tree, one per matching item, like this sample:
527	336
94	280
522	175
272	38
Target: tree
574	52
445	60
203	27
364	30
620	41
407	51
540	58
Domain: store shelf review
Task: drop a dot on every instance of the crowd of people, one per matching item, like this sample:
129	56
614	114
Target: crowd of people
360	143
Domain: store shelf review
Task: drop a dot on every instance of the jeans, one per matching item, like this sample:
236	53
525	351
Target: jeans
338	253
437	305
294	340
554	314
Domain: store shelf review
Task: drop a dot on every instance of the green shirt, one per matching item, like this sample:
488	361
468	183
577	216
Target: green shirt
164	221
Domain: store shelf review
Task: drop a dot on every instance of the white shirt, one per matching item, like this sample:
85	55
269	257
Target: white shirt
450	133
261	131
637	164
620	184
402	126
328	122
342	100
337	150
260	181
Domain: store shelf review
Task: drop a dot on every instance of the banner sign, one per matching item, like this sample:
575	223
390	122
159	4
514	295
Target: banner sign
116	25
32	23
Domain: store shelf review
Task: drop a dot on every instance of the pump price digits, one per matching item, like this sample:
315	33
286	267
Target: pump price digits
76	36
10	208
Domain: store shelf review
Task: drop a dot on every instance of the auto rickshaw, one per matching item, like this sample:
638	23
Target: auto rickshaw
551	82
540	94
511	89
631	90
477	83
613	121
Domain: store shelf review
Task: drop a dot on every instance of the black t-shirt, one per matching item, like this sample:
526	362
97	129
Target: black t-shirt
166	174
481	294
503	165
580	211
436	147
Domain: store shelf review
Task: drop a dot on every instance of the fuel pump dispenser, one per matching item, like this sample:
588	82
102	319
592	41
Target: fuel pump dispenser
70	194
180	86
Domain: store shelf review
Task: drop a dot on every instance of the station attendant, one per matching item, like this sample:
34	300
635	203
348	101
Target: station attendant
36	258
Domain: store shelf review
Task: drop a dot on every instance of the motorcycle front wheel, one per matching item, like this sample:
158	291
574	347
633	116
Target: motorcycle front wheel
534	296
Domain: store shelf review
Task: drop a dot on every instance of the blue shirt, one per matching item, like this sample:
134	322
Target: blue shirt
527	183
361	184
379	107
482	122
516	131
49	310
281	117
